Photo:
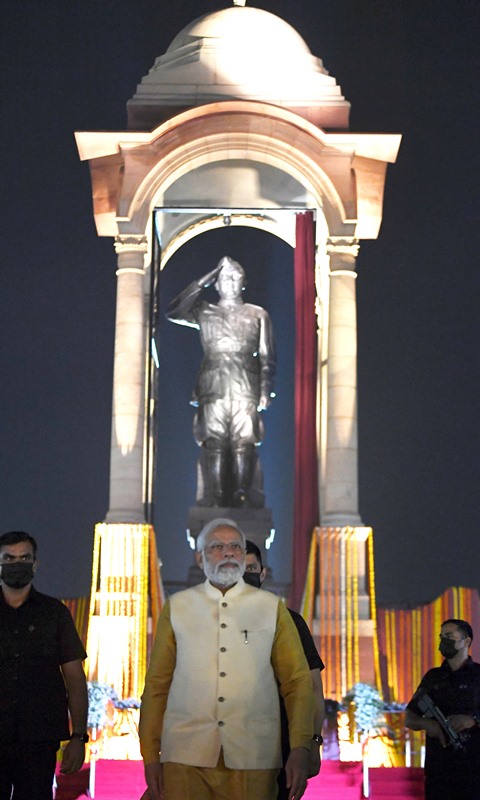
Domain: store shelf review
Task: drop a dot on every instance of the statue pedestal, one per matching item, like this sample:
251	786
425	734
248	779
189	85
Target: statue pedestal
256	523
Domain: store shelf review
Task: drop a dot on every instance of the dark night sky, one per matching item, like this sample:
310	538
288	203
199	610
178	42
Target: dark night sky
406	67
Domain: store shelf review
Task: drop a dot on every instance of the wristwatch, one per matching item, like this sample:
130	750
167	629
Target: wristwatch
318	738
83	736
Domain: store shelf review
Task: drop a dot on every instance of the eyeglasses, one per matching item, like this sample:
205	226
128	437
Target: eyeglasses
220	547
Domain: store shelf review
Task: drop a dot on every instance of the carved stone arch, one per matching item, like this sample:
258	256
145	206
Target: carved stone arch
272	220
317	186
289	144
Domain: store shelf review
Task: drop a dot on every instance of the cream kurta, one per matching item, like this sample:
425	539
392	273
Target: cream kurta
212	680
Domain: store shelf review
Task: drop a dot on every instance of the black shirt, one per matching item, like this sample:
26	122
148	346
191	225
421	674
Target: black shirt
454	692
314	662
35	640
311	652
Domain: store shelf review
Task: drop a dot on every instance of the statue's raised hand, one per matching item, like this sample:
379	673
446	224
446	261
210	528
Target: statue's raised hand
210	277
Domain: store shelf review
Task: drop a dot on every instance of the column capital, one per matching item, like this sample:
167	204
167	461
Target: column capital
131	243
343	246
343	253
131	250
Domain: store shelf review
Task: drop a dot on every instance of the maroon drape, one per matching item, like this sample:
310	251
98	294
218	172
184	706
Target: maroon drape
306	510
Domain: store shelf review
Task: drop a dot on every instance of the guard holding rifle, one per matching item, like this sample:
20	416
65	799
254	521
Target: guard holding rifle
447	706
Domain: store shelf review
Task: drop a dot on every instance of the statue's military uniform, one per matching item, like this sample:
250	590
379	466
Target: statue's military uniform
237	369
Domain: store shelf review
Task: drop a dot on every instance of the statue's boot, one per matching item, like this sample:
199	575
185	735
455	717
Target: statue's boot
216	471
242	471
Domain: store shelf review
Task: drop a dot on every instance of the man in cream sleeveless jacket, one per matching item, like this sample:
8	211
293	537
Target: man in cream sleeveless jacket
209	722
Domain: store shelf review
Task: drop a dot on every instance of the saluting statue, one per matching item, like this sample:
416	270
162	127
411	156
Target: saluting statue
234	384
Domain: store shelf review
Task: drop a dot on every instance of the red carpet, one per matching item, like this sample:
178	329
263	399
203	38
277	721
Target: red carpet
337	781
123	780
114	780
400	783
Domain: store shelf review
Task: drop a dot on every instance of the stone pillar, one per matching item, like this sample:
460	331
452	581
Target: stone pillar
126	502
341	472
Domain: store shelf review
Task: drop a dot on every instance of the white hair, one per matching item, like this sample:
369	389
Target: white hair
220	522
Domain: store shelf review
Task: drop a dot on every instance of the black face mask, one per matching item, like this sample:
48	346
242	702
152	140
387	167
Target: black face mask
447	648
17	575
253	579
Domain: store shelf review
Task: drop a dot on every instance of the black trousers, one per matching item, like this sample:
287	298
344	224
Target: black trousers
28	768
282	785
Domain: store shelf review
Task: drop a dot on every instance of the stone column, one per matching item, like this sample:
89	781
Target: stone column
126	502
341	472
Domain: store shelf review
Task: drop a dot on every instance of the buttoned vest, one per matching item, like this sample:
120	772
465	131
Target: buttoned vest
223	693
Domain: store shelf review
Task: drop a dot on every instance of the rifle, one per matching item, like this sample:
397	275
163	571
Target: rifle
432	711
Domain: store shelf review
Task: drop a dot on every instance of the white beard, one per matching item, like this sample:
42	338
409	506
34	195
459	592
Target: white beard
222	575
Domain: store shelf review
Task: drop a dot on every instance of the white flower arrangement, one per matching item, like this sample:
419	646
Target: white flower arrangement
369	707
99	696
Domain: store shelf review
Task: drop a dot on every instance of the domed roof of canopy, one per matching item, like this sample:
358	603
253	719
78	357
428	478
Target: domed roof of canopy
241	53
248	29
